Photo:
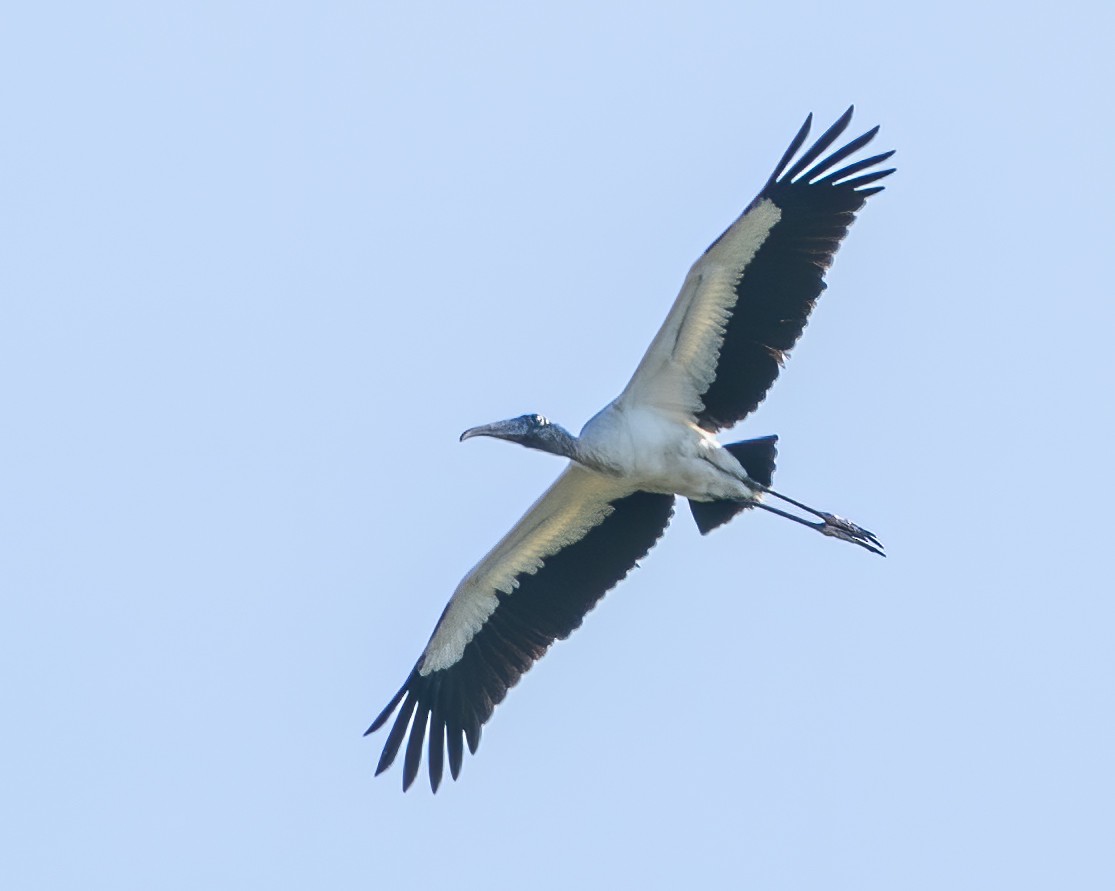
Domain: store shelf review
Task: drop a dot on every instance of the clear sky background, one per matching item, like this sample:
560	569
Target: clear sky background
262	263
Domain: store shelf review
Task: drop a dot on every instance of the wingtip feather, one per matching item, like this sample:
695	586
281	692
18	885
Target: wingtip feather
381	719
795	144
823	142
413	758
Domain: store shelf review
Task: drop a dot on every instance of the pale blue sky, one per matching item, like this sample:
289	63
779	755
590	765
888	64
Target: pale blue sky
264	262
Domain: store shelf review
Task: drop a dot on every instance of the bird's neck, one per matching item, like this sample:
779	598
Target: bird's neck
556	440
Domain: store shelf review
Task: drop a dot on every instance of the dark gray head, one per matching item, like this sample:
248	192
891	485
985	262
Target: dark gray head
533	431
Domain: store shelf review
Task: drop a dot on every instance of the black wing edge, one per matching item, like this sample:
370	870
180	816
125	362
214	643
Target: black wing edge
779	287
454	703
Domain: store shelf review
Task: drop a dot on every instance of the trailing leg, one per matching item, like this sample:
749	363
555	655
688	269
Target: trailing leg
829	524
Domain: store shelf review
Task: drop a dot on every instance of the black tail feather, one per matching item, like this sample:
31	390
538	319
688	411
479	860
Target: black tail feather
757	457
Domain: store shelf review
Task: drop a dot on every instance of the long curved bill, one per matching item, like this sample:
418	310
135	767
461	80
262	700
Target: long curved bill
500	430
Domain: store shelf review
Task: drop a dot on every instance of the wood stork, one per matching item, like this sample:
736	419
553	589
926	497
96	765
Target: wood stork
741	308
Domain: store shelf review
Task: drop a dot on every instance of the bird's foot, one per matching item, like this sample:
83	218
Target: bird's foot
845	530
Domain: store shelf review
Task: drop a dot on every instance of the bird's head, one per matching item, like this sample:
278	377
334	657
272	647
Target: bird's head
533	431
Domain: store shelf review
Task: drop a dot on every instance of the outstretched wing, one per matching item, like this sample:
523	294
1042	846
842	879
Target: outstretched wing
573	545
747	299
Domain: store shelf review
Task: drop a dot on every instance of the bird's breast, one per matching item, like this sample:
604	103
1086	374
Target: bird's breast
659	454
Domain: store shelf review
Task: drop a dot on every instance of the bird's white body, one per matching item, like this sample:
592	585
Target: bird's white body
656	450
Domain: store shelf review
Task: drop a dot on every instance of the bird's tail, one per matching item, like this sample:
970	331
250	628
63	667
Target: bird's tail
757	458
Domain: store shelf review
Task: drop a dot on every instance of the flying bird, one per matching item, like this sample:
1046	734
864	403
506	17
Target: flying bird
742	306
